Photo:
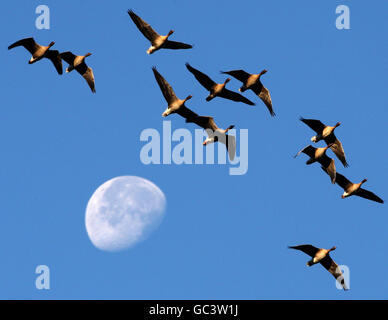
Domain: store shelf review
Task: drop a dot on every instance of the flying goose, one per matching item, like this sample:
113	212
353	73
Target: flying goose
354	189
322	256
214	132
173	102
78	63
38	52
326	133
252	81
157	41
217	89
319	155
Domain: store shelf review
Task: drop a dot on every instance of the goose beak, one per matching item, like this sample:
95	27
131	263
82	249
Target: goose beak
204	143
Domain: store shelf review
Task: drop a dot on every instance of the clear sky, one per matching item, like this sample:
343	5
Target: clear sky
223	237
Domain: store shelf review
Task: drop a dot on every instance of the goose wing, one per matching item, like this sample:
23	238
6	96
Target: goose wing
230	144
368	195
204	122
307	249
55	58
238	74
234	96
69	57
309	150
328	166
176	45
329	264
202	78
342	181
316	125
143	26
28	43
87	73
165	87
265	96
186	113
337	148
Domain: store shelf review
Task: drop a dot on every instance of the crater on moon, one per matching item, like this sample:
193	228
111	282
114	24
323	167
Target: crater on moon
123	211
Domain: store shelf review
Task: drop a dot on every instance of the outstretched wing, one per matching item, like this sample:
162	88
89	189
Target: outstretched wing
165	87
342	181
337	148
238	74
368	195
316	125
306	248
265	96
234	96
68	56
202	78
186	113
230	144
143	26
204	122
309	150
328	165
328	263
55	58
176	45
28	43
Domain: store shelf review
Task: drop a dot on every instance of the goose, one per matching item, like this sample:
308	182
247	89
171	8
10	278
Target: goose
39	52
326	133
173	102
322	256
78	63
354	189
214	132
319	155
217	89
252	81
157	41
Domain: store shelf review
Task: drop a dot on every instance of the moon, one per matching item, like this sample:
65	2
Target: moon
123	211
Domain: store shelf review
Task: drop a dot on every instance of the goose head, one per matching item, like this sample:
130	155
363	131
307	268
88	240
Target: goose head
263	72
88	54
332	248
51	44
363	181
337	124
226	81
187	98
229	128
170	33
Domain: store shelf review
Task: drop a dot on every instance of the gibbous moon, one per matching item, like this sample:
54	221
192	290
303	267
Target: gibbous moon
123	211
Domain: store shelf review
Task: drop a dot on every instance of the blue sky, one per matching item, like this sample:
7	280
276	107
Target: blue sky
223	237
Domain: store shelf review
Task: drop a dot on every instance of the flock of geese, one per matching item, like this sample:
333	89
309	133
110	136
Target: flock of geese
75	62
249	82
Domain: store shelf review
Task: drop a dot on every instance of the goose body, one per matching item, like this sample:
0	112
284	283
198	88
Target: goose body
173	102
217	89
78	63
319	155
157	41
322	256
326	133
253	82
354	189
39	52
